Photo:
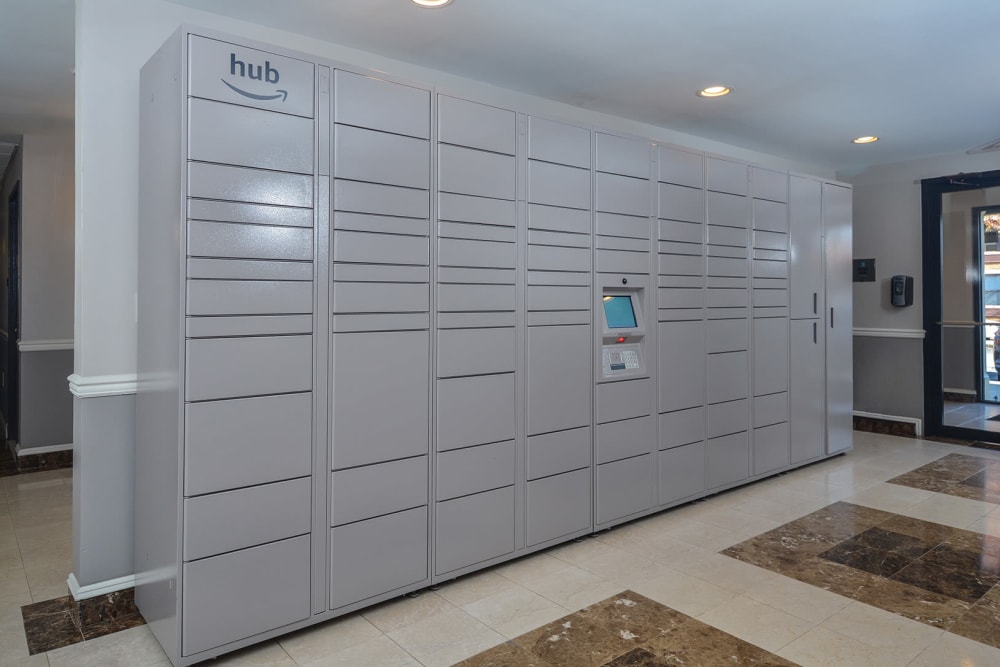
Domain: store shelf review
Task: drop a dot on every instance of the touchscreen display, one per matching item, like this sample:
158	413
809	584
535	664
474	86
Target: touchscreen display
619	313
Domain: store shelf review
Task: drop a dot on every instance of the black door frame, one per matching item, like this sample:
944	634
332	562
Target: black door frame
931	195
977	295
12	383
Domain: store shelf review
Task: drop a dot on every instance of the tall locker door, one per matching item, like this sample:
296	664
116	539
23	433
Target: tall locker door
837	221
476	289
807	388
380	345
806	240
558	338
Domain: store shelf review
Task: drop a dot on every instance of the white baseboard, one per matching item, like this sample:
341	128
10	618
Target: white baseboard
918	424
100	588
47	449
53	345
965	392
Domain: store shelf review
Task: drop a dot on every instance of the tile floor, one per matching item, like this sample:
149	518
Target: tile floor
671	558
972	415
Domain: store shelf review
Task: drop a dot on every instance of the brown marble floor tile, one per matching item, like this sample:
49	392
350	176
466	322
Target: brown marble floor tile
982	622
881	552
626	630
941	576
50	624
958	574
971	477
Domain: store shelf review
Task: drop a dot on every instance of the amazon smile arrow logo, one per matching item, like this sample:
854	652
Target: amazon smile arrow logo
283	94
248	70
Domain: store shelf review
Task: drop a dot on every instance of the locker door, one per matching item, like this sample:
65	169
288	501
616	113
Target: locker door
807	390
839	325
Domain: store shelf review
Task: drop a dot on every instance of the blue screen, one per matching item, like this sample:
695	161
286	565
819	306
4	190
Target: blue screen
618	311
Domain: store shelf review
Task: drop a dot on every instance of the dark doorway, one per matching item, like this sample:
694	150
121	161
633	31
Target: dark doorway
947	333
12	366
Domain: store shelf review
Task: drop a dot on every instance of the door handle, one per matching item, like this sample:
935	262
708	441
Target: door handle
815	304
814	334
831	318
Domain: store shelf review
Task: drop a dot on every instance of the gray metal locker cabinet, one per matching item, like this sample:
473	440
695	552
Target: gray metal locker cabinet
380	342
476	384
728	213
770	242
681	328
807	335
837	204
624	441
227	300
558	303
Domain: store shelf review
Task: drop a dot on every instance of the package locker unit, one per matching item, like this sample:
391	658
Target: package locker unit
389	335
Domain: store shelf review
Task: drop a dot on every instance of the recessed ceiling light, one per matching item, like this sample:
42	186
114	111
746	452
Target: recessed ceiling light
865	140
714	91
431	3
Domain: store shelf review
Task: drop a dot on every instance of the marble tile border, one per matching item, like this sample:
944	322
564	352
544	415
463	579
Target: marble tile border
885	426
12	464
625	630
944	577
52	624
960	475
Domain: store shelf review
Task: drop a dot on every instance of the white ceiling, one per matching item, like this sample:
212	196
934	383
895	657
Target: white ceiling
807	75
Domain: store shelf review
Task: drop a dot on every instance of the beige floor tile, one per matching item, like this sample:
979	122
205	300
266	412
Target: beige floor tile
950	650
472	587
705	535
616	565
890	497
268	654
757	623
530	569
515	612
882	629
987	525
821	647
438	635
687	594
313	643
799	599
466	647
379	650
404	611
735	520
727	573
574	588
950	510
575	551
130	648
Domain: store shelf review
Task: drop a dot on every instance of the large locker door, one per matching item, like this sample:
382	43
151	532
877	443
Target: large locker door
807	390
839	320
806	241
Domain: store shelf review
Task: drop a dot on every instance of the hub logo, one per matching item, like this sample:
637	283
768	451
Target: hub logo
253	72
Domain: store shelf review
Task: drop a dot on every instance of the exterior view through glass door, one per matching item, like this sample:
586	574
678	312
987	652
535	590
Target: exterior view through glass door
987	219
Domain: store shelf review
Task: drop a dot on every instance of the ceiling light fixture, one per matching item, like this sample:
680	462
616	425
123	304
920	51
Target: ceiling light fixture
714	91
431	3
870	139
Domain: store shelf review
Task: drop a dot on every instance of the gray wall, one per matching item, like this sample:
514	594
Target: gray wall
887	226
47	405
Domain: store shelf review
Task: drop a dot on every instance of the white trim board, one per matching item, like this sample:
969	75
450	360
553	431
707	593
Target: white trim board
917	423
889	333
45	345
47	449
95	386
100	588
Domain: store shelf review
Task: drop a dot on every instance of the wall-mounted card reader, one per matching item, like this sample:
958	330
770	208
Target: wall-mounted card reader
623	328
902	291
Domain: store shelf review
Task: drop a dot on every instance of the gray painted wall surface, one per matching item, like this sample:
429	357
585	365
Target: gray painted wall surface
888	376
46	404
103	487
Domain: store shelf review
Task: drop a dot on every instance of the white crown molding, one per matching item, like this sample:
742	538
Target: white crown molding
917	423
95	386
100	588
45	345
889	333
47	449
